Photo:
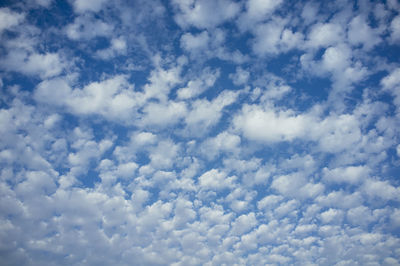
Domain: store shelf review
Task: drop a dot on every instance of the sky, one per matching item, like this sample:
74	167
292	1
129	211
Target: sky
199	132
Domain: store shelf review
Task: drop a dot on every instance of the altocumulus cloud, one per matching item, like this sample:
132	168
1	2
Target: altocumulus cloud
200	132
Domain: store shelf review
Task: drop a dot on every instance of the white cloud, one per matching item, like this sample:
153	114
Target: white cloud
270	126
82	6
209	44
286	209
243	224
9	18
395	30
361	33
337	133
86	27
215	179
117	47
331	216
256	11
275	88
381	189
296	185
161	81
273	38
223	142
85	150
392	80
336	58
269	202
362	215
36	183
156	114
44	3
391	83
198	85
240	77
215	215
204	114
325	35
195	43
340	199
310	12
112	98
204	13
44	65
340	66
165	163
349	174
144	138
163	155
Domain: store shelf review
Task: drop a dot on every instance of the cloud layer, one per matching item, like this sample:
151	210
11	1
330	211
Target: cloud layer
199	132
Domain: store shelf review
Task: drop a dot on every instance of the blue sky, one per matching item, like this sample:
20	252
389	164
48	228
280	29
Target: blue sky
199	132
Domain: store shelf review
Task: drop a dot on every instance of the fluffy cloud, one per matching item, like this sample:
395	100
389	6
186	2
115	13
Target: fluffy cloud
395	30
81	6
117	47
199	132
198	85
112	98
361	33
256	11
204	114
214	179
201	13
350	174
44	65
9	18
272	38
325	35
87	27
270	126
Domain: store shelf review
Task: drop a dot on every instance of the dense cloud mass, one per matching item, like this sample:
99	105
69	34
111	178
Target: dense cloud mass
199	132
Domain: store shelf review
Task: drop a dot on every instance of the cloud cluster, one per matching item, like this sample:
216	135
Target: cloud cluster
199	132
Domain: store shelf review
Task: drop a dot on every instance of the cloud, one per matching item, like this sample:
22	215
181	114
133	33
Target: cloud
163	115
117	47
350	174
9	18
87	27
223	142
199	132
390	83
270	126
381	189
198	85
205	114
163	155
81	6
201	13
240	77
296	185
273	38
194	43
210	44
395	30
337	63
361	33
215	179
256	11
325	35
44	65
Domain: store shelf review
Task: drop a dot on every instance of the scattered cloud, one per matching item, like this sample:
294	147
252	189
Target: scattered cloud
199	132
